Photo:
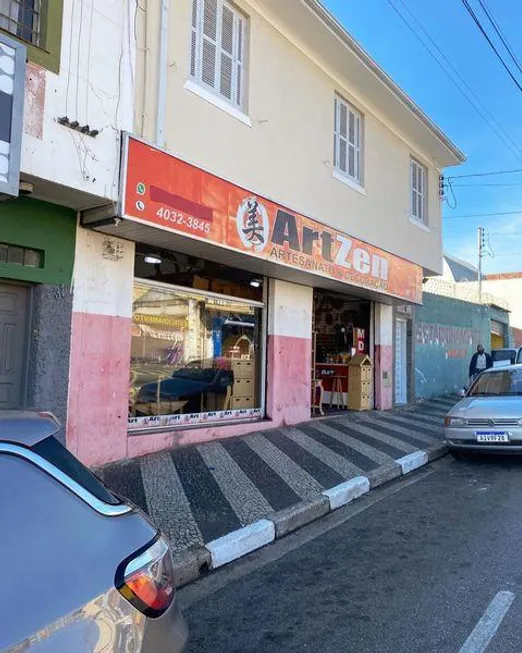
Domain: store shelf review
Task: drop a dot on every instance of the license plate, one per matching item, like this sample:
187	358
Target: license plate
492	436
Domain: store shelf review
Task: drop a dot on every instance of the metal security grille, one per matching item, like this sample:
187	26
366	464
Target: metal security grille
23	18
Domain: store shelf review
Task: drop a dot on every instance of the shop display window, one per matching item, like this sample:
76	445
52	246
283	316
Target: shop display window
195	357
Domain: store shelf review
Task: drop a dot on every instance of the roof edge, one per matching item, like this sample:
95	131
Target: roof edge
335	26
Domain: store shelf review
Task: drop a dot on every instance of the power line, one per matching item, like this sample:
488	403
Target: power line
501	36
492	45
464	88
487	185
480	215
485	174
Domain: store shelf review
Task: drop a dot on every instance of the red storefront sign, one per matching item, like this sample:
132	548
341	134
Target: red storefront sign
166	192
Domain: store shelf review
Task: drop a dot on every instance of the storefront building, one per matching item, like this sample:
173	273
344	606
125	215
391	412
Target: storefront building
271	219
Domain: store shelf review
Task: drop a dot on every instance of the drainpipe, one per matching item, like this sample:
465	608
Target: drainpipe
162	74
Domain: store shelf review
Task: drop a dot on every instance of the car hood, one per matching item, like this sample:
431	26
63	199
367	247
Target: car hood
470	407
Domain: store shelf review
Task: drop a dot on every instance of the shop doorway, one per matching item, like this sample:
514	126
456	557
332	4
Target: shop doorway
401	361
340	330
13	343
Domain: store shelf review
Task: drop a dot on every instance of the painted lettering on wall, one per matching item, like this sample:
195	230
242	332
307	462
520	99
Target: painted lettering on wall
456	340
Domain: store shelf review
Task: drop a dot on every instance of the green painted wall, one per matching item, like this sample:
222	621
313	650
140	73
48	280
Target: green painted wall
447	332
38	225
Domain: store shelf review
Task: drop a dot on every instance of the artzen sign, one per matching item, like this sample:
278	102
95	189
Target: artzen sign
12	84
169	193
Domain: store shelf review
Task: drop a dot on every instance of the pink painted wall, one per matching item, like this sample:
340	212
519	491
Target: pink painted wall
99	387
288	379
383	389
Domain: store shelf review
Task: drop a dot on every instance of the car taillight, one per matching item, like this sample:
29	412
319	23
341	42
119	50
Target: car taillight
147	580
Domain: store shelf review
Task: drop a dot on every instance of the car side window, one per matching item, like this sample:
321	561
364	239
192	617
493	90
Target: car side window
60	457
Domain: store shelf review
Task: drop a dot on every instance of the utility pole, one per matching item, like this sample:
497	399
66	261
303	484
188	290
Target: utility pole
481	254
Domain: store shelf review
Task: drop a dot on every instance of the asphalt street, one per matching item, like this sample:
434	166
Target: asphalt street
432	562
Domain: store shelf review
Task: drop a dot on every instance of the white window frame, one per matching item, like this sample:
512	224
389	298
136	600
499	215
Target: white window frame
237	57
418	192
344	145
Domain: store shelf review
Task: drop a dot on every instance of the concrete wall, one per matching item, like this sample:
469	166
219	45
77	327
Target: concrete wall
94	87
49	349
446	333
283	148
509	289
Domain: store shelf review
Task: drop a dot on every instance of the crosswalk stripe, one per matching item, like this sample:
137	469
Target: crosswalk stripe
297	478
413	423
420	437
324	454
419	413
364	449
246	500
377	435
167	503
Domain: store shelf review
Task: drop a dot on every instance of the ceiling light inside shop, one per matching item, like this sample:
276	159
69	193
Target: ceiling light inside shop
153	259
255	283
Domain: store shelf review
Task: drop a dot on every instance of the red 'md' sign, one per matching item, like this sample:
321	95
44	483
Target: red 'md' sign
169	193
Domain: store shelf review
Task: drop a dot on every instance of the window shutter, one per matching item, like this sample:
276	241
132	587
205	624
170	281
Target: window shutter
227	52
194	37
239	60
208	55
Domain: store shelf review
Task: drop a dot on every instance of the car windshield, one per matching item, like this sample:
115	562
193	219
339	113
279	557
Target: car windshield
505	382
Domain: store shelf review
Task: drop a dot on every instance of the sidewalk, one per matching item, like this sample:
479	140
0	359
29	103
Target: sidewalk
221	500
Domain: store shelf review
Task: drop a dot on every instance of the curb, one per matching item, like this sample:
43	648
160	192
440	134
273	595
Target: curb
189	565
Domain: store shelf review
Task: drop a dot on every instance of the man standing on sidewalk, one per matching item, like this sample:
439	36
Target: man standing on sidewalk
480	361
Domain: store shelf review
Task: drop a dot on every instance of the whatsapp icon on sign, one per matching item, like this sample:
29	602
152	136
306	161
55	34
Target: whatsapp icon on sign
141	188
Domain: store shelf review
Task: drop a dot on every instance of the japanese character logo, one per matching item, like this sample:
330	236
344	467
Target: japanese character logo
252	224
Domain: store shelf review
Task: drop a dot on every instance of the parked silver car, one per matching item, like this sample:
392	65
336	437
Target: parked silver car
82	570
489	417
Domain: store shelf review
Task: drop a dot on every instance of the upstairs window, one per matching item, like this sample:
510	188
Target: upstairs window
22	18
38	23
348	156
418	191
217	57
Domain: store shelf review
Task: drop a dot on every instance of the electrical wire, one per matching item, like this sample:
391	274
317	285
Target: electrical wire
487	185
491	44
463	87
485	174
500	34
481	215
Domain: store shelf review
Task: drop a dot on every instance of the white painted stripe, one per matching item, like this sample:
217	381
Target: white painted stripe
292	474
413	461
489	623
432	427
413	424
238	543
411	432
363	448
167	503
342	494
377	435
341	465
246	500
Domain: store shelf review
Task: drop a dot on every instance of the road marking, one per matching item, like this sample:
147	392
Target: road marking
489	623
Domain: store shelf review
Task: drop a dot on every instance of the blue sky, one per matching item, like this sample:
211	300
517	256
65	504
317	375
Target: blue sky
388	40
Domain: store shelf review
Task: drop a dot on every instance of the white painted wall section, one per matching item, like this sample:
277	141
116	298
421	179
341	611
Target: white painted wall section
290	309
383	324
95	86
103	274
